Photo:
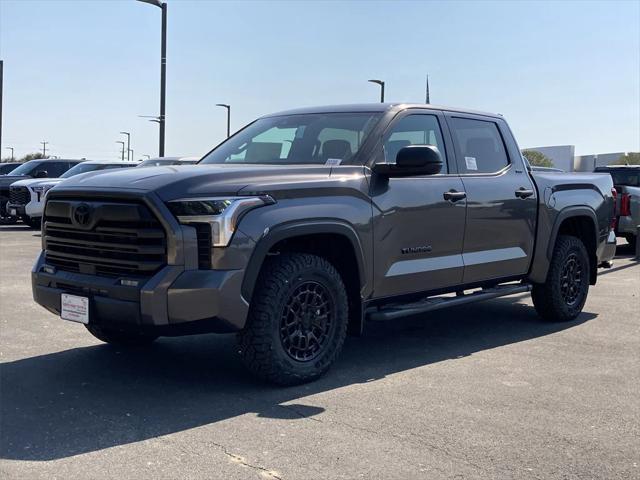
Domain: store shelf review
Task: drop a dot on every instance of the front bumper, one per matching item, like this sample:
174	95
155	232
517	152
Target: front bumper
16	210
174	301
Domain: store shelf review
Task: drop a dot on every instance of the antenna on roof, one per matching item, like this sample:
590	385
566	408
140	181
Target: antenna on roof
428	100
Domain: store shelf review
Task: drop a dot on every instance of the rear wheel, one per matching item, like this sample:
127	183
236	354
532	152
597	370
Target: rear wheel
564	293
631	239
297	321
118	338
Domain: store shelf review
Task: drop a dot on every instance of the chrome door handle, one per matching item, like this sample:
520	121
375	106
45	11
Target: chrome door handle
453	196
523	193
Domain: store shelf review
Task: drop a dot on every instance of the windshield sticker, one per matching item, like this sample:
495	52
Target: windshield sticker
471	163
332	162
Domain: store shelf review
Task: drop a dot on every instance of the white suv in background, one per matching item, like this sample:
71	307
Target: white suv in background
26	197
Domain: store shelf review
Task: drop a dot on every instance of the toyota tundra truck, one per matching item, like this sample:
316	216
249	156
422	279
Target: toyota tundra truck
305	224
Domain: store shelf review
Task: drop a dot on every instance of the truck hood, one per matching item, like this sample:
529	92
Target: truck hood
32	182
6	180
171	182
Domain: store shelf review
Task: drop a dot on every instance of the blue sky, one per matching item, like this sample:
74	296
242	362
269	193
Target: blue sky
78	72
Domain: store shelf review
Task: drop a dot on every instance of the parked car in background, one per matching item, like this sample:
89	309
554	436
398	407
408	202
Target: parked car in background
26	197
626	179
163	161
305	223
6	168
41	168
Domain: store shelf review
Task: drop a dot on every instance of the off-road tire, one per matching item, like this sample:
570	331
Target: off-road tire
261	346
120	339
551	298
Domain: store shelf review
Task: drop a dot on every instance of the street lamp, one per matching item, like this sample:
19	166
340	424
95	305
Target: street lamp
123	144
130	151
10	148
381	83
128	143
148	156
163	69
228	107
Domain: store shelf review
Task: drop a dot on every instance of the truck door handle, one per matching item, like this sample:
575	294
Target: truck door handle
523	193
453	195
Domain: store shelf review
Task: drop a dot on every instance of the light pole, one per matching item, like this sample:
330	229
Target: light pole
148	156
130	151
228	107
123	144
163	69
10	148
128	143
381	83
428	98
1	75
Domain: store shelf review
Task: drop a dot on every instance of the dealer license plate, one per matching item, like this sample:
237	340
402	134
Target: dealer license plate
74	308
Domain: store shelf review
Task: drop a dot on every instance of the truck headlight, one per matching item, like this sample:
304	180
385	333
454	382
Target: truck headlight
42	189
221	213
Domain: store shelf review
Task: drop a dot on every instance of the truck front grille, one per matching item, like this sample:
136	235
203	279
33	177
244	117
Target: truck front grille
108	238
19	195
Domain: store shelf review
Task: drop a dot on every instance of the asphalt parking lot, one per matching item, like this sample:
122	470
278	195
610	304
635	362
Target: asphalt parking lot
485	391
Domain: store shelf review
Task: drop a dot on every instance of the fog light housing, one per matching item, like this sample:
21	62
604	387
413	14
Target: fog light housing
125	282
49	269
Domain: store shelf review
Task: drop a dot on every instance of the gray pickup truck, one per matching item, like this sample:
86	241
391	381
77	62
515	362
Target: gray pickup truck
306	223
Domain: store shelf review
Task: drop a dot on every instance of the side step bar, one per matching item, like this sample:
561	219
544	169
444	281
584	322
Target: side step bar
435	303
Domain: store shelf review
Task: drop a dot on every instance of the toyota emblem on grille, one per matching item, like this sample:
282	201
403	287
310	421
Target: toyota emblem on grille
82	214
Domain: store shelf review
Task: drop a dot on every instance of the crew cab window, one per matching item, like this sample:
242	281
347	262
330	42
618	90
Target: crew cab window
417	129
480	146
55	169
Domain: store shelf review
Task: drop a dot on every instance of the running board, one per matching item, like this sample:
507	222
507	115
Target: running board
436	303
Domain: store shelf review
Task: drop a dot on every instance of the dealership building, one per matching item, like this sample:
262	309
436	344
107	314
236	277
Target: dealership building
564	157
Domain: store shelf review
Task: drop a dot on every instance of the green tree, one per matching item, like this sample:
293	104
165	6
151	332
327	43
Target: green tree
631	158
537	159
33	156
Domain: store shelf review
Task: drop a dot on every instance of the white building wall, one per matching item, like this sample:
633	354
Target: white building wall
561	155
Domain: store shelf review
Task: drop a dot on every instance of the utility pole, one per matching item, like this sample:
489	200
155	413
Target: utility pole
128	143
44	149
428	100
123	144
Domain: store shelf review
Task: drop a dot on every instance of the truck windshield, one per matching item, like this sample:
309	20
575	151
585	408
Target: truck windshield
318	138
26	168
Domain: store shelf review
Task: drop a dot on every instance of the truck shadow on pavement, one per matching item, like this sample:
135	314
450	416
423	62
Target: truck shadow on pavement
91	398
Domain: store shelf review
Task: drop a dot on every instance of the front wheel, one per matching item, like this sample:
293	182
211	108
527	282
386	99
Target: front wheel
564	293
297	321
118	338
5	218
33	222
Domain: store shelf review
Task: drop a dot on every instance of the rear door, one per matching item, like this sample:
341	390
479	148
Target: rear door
418	221
501	199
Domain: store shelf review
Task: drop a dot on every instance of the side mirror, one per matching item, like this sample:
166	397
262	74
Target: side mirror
41	174
412	160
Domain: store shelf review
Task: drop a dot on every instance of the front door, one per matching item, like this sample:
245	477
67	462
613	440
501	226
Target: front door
501	199
418	221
